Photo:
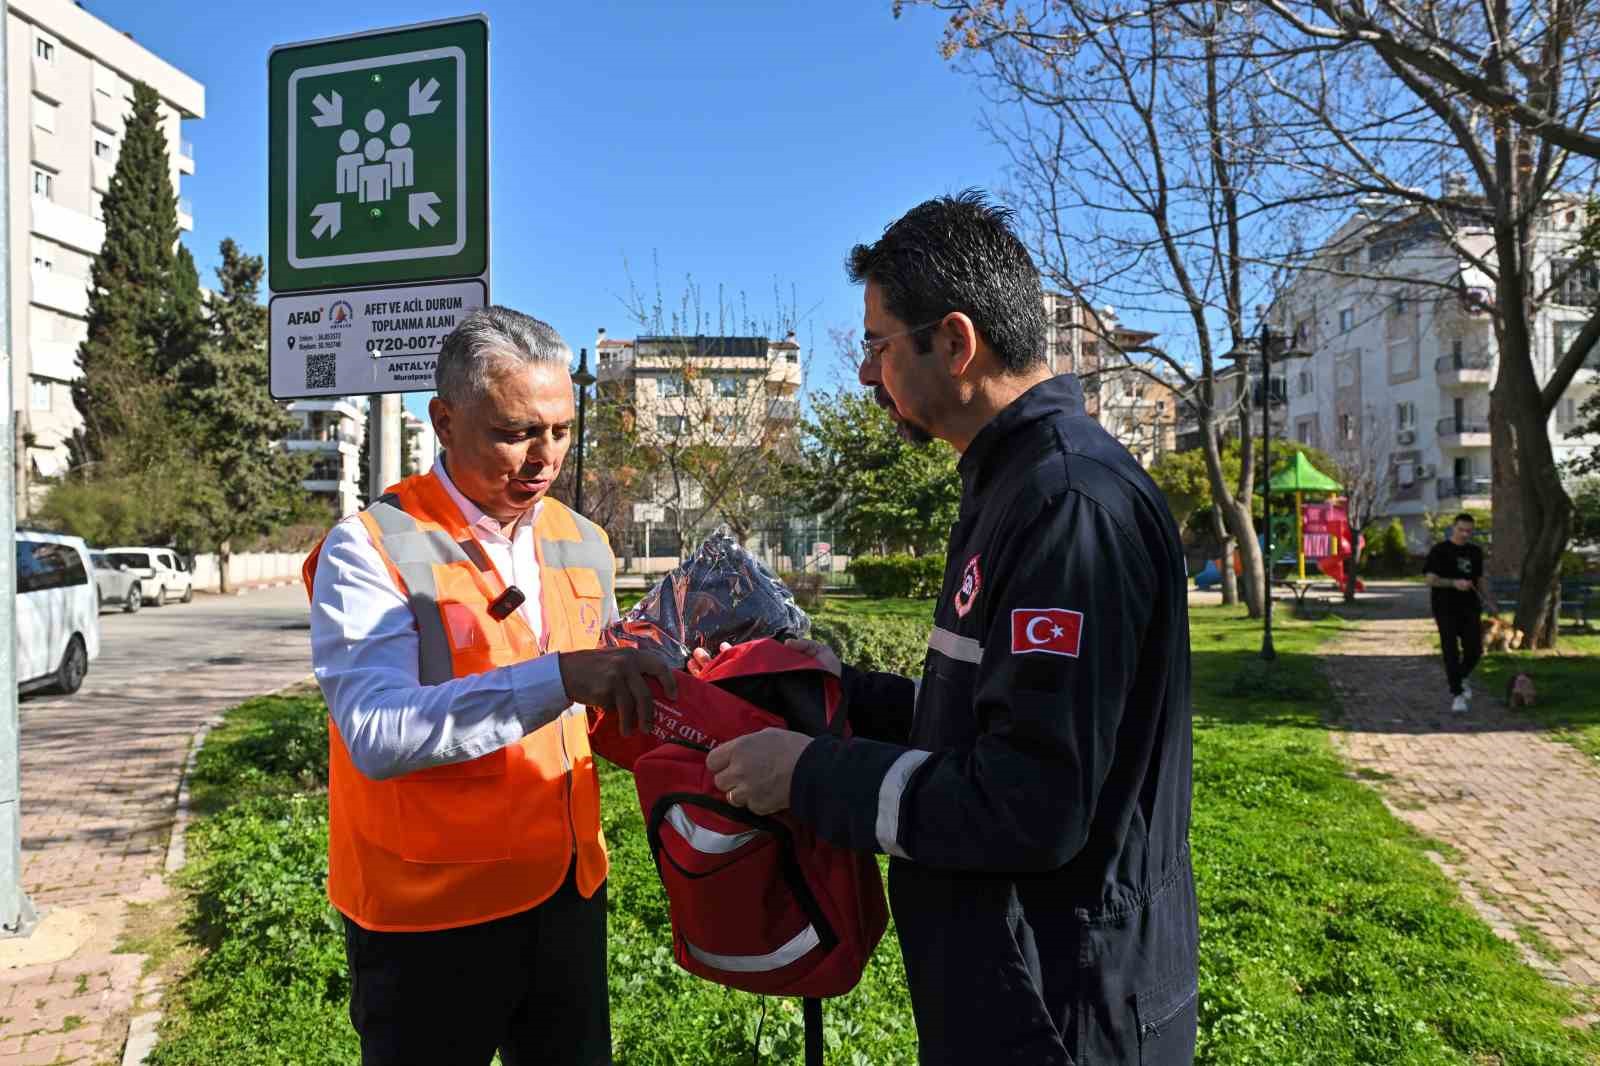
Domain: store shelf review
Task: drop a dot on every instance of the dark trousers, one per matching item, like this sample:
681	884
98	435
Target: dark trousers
532	986
1461	634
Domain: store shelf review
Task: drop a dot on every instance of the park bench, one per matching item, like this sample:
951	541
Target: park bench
1579	601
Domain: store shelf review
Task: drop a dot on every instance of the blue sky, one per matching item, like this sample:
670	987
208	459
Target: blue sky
739	143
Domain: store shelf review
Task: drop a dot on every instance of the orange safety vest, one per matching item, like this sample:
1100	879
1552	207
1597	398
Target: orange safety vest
471	841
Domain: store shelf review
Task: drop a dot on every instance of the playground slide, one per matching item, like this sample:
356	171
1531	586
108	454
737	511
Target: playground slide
1333	566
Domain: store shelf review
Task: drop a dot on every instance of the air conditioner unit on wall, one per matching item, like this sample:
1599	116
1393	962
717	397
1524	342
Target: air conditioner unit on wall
1406	436
1424	471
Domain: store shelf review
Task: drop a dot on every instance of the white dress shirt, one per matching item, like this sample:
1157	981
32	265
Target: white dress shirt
365	651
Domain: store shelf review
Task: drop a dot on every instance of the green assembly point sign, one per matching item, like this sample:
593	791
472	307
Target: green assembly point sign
379	153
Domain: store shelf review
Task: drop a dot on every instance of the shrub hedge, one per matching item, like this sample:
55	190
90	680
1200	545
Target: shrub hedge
910	576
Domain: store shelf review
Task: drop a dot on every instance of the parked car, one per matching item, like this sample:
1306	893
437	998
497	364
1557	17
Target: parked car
58	618
117	582
163	575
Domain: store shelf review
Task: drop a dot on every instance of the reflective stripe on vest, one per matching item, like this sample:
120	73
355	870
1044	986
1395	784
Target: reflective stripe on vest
468	842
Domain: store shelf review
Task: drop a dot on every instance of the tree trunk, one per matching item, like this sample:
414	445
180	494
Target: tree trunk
1236	516
224	554
1230	580
1532	512
1350	575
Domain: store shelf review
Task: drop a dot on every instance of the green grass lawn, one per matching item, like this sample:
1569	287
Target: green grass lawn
1567	681
1328	938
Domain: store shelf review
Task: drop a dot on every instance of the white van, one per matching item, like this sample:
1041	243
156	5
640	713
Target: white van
163	575
58	619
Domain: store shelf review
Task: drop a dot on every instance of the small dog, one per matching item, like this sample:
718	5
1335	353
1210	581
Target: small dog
1499	635
1520	692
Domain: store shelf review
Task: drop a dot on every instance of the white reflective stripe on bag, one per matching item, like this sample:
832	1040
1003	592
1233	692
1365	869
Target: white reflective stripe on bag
793	951
707	841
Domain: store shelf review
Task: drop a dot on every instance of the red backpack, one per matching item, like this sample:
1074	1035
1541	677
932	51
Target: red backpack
760	904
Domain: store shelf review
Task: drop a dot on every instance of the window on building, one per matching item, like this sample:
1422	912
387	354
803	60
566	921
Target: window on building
1399	304
670	384
38	394
670	425
44	114
725	425
1565	334
1347	320
1456	349
44	184
1347	428
1578	286
1567	412
1405	415
102	148
1345	263
726	385
44	49
1302	432
1306	383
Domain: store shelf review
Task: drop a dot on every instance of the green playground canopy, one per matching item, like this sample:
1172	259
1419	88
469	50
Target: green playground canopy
1303	477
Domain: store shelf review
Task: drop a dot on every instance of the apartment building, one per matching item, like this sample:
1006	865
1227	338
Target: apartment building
69	82
419	444
732	391
331	430
723	392
1404	354
1135	403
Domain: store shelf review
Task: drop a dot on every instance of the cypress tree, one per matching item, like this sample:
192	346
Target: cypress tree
131	290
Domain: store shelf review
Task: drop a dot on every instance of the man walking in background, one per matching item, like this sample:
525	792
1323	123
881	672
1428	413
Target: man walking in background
1454	571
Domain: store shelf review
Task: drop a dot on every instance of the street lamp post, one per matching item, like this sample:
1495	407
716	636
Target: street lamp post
583	379
1265	344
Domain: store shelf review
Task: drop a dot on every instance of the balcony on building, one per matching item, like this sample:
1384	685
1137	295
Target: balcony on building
337	405
324	435
1465	492
1465	369
783	411
186	157
65	226
1463	431
185	214
59	292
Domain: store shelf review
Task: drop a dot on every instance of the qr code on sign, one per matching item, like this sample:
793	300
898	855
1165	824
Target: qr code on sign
322	371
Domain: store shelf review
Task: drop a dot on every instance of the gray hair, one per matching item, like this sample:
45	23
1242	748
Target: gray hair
488	341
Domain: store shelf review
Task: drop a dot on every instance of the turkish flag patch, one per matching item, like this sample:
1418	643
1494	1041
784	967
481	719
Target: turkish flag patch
1051	630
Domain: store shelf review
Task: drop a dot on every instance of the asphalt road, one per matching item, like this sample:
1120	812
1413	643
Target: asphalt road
211	631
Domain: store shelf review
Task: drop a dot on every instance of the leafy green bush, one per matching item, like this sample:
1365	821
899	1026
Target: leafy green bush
808	588
886	576
1388	554
895	645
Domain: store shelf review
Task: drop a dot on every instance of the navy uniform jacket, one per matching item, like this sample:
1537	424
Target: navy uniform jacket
1034	787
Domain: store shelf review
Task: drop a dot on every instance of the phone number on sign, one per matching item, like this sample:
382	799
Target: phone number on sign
415	343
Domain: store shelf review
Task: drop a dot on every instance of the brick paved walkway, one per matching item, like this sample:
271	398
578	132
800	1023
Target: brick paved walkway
100	775
1522	811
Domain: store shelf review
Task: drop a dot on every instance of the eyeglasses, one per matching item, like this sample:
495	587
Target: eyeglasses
871	345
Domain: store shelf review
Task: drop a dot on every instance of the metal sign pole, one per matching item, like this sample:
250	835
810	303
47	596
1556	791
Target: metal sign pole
16	910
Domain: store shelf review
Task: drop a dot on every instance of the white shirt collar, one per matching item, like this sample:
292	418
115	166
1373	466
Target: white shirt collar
470	511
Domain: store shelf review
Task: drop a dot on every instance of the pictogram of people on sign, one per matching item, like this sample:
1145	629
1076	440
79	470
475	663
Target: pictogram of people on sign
378	168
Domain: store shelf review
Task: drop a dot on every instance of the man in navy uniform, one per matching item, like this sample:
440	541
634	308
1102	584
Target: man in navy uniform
1033	786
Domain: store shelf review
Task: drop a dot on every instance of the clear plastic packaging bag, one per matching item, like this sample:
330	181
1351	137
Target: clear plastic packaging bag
720	594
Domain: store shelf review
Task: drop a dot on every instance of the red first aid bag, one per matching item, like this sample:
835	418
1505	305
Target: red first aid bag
760	904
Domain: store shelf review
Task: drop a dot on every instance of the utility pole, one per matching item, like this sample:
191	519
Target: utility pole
383	448
16	910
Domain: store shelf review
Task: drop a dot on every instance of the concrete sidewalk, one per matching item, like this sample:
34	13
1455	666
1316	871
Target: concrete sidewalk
100	774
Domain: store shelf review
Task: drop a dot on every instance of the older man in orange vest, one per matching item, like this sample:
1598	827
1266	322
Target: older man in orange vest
454	632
